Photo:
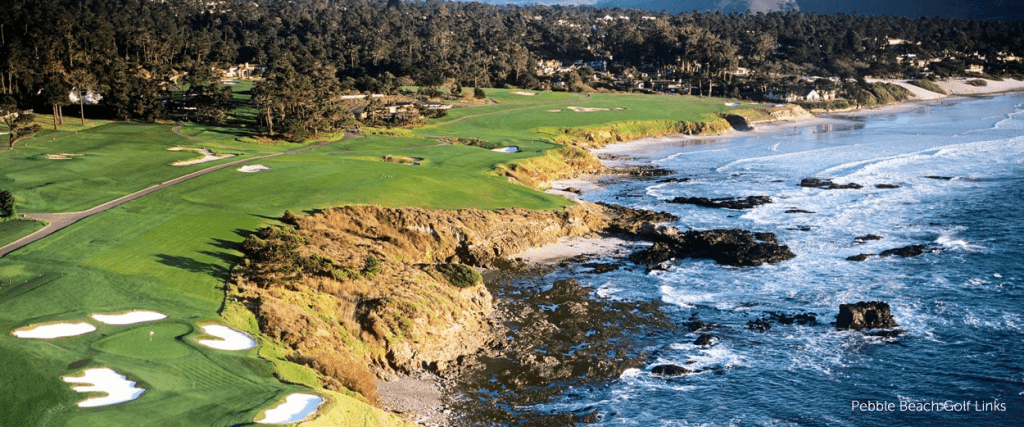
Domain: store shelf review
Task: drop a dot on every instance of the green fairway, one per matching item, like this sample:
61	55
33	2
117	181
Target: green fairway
171	251
12	230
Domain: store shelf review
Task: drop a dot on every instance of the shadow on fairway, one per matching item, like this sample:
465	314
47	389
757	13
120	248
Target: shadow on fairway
186	263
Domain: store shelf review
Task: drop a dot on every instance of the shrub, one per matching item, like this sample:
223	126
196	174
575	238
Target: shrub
460	275
977	82
6	204
371	267
479	93
927	85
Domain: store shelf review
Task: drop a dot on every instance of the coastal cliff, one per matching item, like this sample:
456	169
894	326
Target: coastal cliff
361	292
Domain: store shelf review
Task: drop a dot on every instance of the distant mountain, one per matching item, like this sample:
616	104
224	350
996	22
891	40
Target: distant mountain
1003	10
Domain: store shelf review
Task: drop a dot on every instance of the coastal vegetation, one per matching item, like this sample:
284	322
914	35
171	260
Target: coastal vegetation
927	85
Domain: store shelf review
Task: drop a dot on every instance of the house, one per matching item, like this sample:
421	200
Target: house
974	68
244	71
808	95
91	97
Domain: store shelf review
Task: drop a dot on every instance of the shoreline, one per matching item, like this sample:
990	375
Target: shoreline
422	399
625	152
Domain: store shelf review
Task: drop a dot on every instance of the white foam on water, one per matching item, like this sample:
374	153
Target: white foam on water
54	330
295	408
229	339
131	317
119	389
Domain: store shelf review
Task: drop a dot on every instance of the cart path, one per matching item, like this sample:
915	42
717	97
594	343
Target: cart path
58	221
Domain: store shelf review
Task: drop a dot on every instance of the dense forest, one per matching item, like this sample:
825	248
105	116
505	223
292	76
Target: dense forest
137	52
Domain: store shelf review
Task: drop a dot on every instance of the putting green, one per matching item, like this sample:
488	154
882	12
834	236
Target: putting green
150	341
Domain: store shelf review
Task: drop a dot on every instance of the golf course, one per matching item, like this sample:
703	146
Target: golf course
170	251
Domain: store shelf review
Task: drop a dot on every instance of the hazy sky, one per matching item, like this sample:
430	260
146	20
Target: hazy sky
1006	10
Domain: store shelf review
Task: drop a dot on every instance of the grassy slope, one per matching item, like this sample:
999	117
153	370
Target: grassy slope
171	251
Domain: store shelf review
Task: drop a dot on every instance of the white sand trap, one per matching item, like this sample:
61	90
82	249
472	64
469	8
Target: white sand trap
554	111
296	407
230	339
54	330
131	317
524	93
512	149
208	156
252	168
586	110
732	104
103	380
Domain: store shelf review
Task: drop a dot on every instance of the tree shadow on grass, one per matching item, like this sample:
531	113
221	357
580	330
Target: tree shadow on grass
185	263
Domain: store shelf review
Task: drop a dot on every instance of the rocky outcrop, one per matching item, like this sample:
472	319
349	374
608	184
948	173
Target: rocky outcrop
866	238
724	202
706	340
827	184
669	371
639	171
908	251
734	247
865	315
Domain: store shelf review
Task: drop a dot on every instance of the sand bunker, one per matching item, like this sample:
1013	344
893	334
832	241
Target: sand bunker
230	339
103	380
554	111
732	104
252	168
54	330
296	407
524	93
131	317
62	156
586	110
512	149
208	156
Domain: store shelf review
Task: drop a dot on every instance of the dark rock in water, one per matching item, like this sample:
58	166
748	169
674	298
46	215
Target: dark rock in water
940	178
734	247
891	333
759	325
798	211
863	239
907	251
886	186
724	202
629	221
640	171
865	315
600	267
827	184
567	288
801	228
700	325
670	371
858	258
706	340
799	318
671	180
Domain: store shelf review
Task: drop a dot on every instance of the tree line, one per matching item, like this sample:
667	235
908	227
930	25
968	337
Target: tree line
138	53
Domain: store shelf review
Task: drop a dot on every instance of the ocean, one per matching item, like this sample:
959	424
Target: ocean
958	169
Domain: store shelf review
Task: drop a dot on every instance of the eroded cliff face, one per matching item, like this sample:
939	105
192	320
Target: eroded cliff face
359	292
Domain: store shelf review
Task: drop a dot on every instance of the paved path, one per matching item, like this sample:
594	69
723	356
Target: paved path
59	221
